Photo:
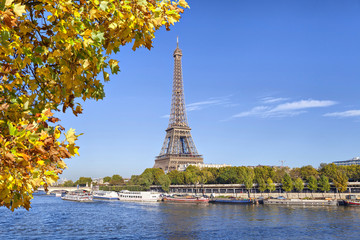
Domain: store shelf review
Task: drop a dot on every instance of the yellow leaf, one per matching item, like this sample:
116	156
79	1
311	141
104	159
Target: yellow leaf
184	4
77	14
57	133
19	9
73	149
61	164
70	136
40	162
8	3
113	25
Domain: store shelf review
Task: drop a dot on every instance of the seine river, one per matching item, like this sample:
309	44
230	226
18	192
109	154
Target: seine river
53	218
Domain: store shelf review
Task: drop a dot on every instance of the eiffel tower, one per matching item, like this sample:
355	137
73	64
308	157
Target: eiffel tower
178	147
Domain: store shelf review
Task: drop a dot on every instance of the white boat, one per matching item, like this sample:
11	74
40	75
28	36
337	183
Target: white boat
132	196
105	195
78	196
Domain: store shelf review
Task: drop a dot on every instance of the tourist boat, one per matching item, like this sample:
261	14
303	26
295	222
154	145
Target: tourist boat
352	203
232	200
105	195
138	196
186	199
78	196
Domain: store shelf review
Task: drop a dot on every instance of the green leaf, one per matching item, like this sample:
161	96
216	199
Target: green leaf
97	36
34	137
12	129
114	67
39	49
5	35
2	6
106	76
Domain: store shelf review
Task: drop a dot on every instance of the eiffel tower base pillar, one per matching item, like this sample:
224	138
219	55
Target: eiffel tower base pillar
170	163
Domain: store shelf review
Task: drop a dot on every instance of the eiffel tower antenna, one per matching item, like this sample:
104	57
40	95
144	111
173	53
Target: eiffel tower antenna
178	148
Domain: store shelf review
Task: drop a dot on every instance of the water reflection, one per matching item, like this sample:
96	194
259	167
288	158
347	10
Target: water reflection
53	218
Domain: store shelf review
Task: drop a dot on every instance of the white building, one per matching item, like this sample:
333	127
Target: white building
98	180
353	161
59	181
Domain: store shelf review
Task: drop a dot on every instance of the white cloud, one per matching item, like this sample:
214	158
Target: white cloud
285	109
303	104
259	110
220	101
268	100
217	101
350	113
203	104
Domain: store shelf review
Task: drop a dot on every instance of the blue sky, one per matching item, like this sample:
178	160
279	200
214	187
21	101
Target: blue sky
265	81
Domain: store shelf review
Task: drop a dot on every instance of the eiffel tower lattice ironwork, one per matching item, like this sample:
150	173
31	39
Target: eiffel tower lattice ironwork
178	147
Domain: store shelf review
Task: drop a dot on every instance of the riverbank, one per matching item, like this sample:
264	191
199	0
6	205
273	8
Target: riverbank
53	218
288	195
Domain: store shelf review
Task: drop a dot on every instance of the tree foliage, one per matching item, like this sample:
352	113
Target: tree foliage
54	54
324	184
228	175
249	178
270	185
116	180
299	184
337	175
165	182
83	181
69	183
312	184
287	183
106	179
307	171
262	184
192	175
150	176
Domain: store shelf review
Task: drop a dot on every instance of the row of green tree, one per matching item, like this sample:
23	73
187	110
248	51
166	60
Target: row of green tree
81	182
114	180
265	177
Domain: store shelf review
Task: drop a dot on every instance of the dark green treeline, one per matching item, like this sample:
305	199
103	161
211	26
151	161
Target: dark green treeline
264	176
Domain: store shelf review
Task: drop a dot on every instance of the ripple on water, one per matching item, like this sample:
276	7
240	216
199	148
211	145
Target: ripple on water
54	218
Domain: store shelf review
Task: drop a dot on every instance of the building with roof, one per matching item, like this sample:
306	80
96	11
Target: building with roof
353	161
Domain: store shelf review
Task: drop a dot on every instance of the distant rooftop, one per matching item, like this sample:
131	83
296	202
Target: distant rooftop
353	161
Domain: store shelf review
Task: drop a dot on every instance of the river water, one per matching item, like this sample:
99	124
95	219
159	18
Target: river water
53	218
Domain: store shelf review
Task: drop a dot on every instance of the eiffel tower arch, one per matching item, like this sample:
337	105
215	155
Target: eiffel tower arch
178	147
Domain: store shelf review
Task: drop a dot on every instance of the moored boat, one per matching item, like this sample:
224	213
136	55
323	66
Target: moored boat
78	196
186	199
308	202
231	200
352	203
138	196
105	195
